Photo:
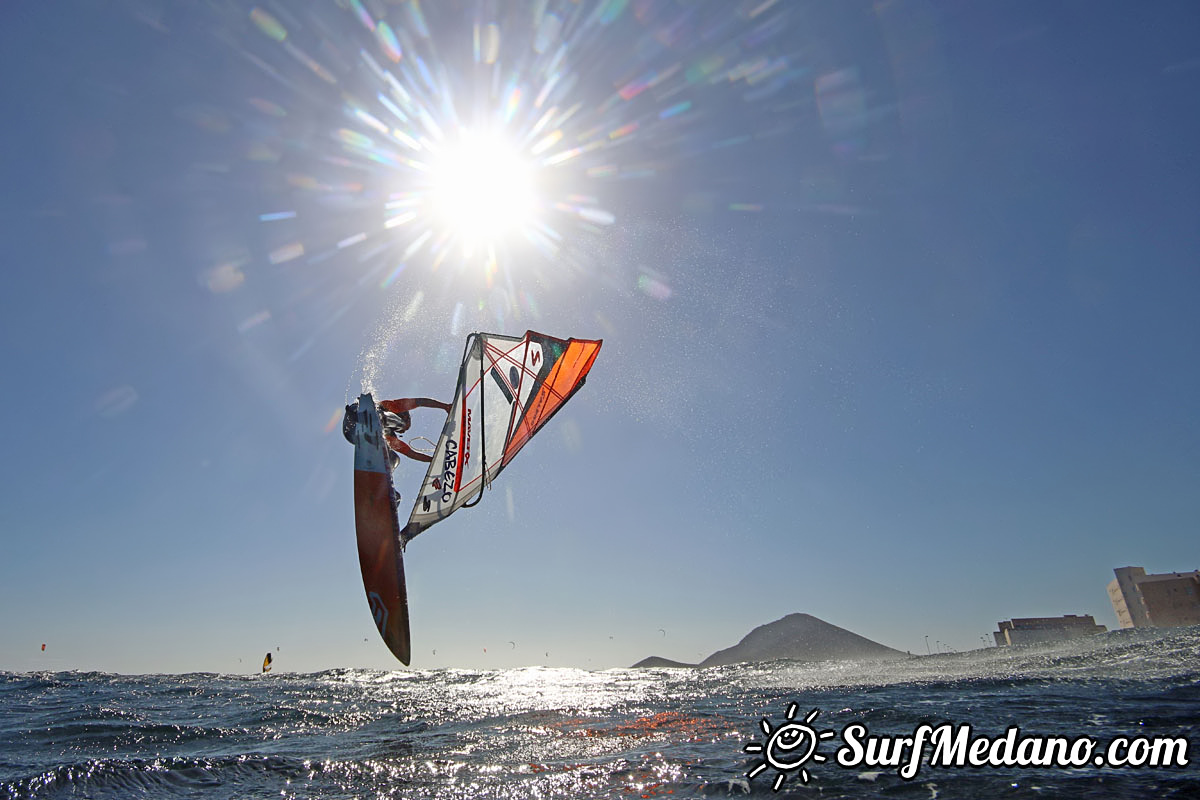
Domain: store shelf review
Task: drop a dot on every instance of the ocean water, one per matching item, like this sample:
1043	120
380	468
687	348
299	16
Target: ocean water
564	733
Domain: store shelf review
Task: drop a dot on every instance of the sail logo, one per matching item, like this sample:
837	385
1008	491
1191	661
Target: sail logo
378	610
466	450
449	464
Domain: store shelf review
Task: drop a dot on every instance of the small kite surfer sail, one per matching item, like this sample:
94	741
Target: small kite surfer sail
508	388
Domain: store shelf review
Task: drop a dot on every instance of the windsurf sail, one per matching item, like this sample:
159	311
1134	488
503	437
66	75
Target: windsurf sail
267	663
508	388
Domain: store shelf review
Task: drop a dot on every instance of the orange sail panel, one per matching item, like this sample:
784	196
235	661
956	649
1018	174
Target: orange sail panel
566	376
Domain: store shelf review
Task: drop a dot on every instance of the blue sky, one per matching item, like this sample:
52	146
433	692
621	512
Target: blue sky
898	299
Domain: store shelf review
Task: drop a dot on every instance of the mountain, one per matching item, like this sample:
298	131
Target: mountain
656	661
801	637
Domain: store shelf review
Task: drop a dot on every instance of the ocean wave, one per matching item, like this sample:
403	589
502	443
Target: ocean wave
570	733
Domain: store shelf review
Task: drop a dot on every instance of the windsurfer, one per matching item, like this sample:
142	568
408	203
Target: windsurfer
395	418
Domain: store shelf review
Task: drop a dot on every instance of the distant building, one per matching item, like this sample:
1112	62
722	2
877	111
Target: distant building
1045	629
1155	601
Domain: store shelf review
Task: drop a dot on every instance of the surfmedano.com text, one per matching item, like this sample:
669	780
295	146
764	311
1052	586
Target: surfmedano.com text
949	745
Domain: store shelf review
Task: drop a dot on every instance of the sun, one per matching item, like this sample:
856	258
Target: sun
788	747
482	187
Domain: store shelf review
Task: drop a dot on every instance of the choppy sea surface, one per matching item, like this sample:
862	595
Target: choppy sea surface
564	733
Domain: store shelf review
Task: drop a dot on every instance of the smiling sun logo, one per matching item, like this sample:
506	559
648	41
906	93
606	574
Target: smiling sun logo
789	747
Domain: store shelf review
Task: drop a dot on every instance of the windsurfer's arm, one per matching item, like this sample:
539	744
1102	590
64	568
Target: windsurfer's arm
396	406
401	447
426	402
409	403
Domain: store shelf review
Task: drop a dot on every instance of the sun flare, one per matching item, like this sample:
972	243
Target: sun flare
482	188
